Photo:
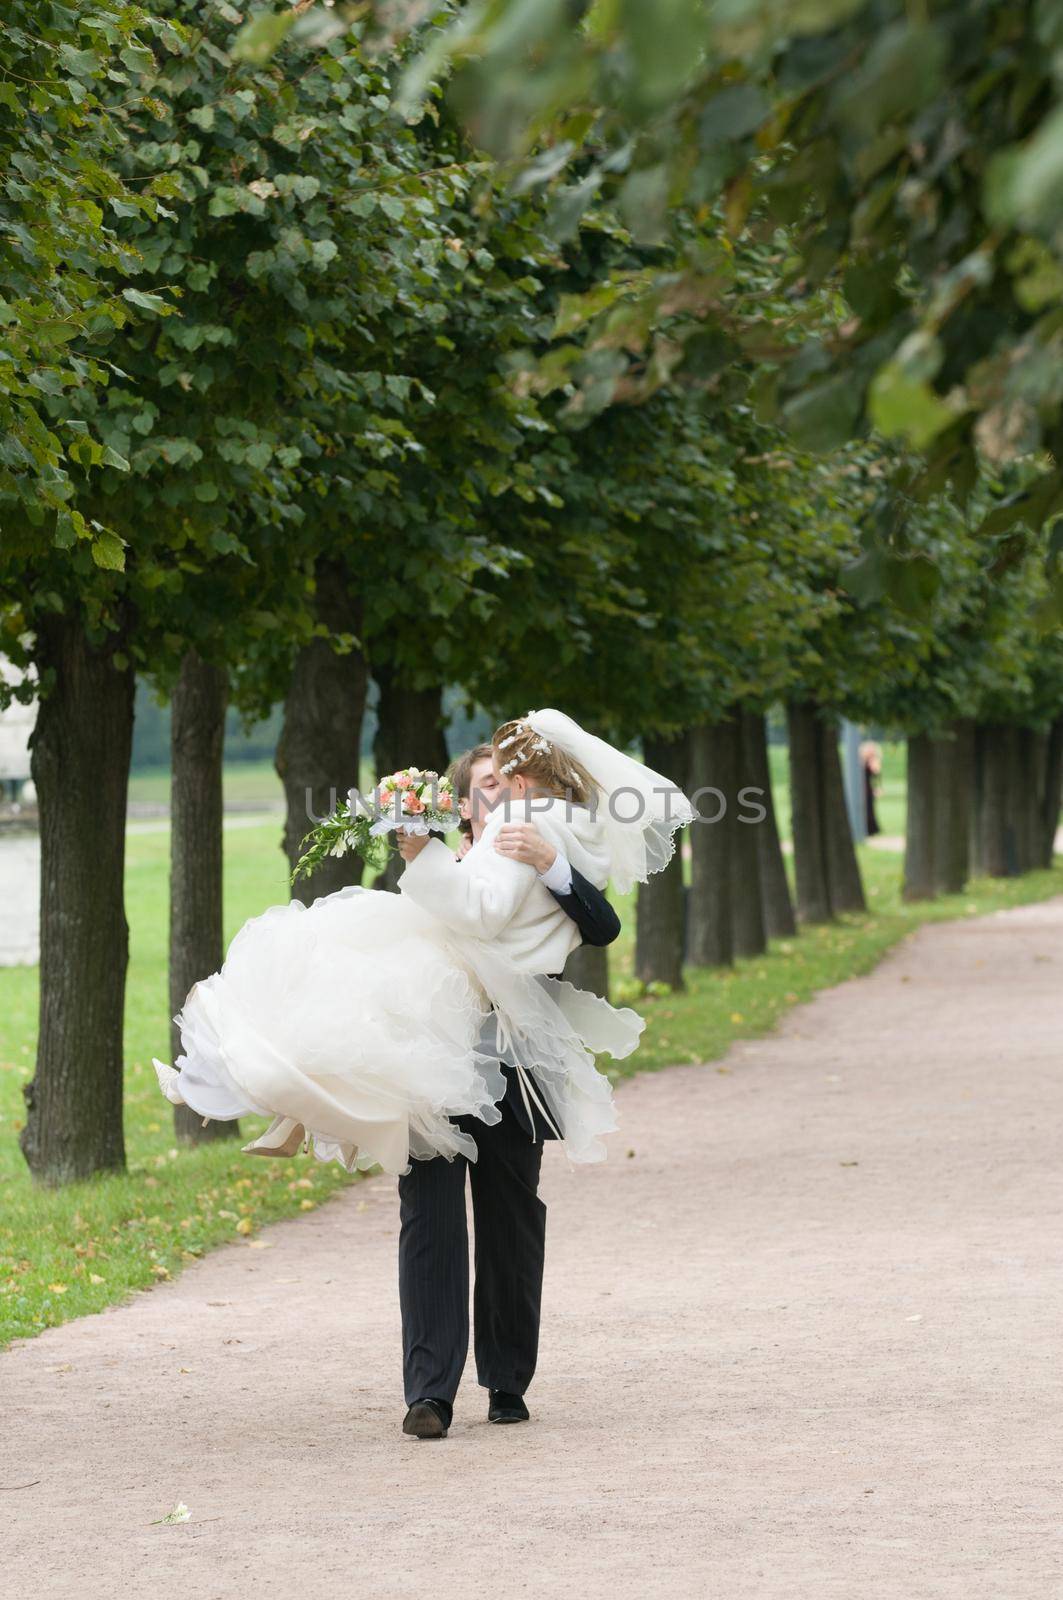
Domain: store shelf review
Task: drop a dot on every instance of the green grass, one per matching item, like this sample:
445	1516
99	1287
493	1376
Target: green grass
244	783
64	1253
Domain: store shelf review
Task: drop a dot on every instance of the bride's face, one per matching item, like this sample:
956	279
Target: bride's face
506	783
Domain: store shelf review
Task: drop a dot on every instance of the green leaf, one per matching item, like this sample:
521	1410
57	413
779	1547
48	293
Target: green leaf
1024	183
825	415
257	40
902	407
137	58
147	302
108	551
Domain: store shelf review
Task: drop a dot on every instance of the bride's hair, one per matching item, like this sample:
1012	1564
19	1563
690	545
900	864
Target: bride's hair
547	769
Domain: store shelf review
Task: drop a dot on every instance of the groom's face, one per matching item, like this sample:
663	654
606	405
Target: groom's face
483	793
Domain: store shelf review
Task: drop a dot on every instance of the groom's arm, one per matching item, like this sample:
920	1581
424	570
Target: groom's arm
579	899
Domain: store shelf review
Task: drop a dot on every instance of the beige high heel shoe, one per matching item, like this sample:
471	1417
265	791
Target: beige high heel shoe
167	1077
282	1138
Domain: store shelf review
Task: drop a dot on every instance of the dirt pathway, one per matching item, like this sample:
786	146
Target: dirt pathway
805	1340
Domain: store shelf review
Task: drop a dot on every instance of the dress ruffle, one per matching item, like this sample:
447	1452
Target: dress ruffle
360	1017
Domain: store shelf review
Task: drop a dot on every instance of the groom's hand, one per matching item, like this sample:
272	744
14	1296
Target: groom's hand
522	841
411	844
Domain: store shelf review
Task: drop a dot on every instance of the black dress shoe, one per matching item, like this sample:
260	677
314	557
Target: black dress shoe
429	1418
506	1407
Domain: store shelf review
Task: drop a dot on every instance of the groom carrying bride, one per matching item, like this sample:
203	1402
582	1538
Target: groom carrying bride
509	1216
359	1022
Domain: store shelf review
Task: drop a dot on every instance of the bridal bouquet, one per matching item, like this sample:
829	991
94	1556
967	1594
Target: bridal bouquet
415	801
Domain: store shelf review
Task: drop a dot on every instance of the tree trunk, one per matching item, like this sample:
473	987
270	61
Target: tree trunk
776	904
952	786
197	738
318	753
825	865
410	731
588	968
1051	793
1027	777
660	911
810	861
995	851
920	831
711	758
747	895
845	888
79	762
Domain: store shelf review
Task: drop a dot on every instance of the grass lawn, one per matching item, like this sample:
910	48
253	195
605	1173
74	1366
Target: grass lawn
68	1252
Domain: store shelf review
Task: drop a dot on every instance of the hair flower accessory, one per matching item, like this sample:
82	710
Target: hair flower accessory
521	730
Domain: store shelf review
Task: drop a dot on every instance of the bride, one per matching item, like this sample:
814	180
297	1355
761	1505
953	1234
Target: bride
357	1022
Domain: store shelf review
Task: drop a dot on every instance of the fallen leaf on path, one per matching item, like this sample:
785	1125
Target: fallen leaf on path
180	1513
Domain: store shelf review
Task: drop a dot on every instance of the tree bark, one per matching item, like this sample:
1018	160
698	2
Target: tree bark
777	906
79	762
810	861
1051	793
995	844
747	895
952	756
197	739
1027	777
410	731
660	911
711	758
318	752
588	968
920	830
825	865
845	888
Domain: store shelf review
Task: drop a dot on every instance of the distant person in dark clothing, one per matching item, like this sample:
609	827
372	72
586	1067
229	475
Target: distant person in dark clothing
871	762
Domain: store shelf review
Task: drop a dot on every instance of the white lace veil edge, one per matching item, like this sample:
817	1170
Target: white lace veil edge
640	810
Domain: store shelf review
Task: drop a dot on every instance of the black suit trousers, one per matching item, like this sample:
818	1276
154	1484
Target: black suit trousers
509	1221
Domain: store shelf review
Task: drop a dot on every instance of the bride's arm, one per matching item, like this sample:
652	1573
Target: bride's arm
477	895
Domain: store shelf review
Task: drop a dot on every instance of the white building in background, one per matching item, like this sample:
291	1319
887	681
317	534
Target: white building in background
16	725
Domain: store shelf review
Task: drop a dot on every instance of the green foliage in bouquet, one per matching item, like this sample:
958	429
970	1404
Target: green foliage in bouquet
340	832
413	798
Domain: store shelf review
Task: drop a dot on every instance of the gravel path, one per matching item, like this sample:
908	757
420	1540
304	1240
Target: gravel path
802	1336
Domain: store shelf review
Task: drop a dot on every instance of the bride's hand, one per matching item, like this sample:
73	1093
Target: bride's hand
522	841
410	845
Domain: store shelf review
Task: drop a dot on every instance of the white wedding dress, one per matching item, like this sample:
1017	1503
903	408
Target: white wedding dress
362	1017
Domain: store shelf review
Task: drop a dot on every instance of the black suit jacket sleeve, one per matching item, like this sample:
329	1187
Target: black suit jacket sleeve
595	918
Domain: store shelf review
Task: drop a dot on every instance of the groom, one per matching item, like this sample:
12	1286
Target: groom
509	1217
